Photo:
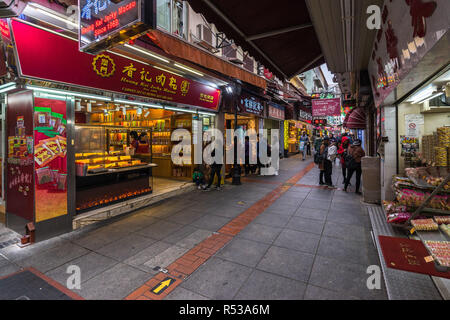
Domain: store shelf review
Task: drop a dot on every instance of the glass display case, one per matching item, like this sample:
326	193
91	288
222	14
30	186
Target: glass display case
107	170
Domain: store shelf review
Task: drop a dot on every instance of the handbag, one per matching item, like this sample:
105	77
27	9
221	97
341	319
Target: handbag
350	162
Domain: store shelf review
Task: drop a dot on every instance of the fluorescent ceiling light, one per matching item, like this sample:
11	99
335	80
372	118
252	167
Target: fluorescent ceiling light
162	69
55	16
138	103
124	56
68	93
146	53
421	94
207	113
180	109
431	97
8	87
189	69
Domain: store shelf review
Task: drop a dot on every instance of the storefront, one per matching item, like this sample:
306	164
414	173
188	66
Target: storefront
250	110
70	129
293	129
275	120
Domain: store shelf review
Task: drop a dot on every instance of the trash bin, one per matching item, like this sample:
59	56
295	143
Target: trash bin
371	182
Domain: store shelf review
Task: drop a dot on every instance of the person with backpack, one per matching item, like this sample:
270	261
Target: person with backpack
353	163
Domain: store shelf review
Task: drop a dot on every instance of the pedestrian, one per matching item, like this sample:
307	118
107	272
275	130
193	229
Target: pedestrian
323	154
216	169
354	154
342	152
329	161
317	143
304	139
308	147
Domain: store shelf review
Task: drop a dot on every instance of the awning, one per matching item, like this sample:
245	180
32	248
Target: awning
355	119
279	34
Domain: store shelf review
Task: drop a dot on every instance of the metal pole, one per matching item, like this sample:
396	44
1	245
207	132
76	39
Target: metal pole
236	168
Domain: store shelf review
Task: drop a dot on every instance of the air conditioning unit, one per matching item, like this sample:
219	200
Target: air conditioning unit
11	8
204	37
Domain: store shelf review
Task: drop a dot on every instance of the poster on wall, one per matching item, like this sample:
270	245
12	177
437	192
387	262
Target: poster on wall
19	164
412	124
326	107
50	160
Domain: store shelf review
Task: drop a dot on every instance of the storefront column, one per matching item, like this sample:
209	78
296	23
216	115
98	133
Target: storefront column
389	157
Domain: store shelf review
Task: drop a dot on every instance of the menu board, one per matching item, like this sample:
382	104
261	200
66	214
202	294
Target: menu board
50	160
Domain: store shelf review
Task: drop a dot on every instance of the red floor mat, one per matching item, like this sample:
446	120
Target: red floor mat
408	255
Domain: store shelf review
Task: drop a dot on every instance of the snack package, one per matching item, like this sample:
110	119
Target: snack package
55	120
440	250
61	129
61	183
400	217
43	175
42	116
62	142
42	155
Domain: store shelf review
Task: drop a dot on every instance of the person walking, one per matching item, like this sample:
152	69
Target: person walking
342	152
331	158
304	140
354	154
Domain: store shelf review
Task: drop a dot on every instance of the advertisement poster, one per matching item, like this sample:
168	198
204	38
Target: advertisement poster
19	165
326	107
50	160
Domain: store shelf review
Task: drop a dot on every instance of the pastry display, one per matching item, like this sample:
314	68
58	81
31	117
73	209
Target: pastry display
440	250
445	228
424	225
442	219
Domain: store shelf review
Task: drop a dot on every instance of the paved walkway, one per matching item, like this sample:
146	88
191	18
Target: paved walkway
271	238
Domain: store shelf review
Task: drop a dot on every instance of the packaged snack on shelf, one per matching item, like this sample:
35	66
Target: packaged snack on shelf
399	217
440	250
445	228
61	182
42	116
424	225
442	219
43	175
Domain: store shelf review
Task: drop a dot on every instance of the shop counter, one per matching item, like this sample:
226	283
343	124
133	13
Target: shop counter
115	185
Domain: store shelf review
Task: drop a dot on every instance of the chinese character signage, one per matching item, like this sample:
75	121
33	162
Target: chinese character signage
104	23
304	115
326	107
105	71
276	112
250	104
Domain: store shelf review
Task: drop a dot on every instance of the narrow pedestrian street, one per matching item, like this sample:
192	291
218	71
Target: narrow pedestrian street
273	238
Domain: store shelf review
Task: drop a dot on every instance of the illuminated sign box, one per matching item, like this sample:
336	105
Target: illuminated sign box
105	23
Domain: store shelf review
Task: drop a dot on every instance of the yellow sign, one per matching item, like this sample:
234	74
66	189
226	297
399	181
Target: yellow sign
104	66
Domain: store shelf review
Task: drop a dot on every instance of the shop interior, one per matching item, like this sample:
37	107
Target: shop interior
104	140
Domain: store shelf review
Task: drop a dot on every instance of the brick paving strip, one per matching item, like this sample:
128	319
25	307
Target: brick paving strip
184	266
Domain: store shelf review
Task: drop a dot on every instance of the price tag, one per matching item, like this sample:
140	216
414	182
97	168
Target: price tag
429	259
412	230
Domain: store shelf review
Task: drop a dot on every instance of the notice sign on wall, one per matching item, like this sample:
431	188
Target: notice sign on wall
104	23
326	107
413	123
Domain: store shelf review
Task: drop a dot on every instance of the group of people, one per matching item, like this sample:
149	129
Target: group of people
349	152
140	143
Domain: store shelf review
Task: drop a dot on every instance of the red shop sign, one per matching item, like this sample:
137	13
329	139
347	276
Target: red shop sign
326	107
47	56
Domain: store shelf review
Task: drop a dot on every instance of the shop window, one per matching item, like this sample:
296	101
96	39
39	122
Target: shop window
163	14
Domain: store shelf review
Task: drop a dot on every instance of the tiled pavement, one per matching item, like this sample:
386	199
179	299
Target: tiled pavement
261	240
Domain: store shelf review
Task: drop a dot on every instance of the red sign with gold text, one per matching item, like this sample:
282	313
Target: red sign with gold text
47	56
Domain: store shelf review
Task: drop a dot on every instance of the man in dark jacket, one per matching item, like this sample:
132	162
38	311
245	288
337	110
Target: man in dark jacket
356	152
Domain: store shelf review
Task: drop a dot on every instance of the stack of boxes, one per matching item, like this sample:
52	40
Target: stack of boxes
436	147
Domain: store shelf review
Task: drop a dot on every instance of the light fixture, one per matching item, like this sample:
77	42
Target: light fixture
146	53
89	107
162	69
179	109
421	94
124	56
68	93
138	103
207	114
431	97
55	16
8	87
146	114
189	69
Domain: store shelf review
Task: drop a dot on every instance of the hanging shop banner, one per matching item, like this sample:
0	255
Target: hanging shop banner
250	104
105	23
276	112
326	107
304	114
409	30
19	165
59	60
50	160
